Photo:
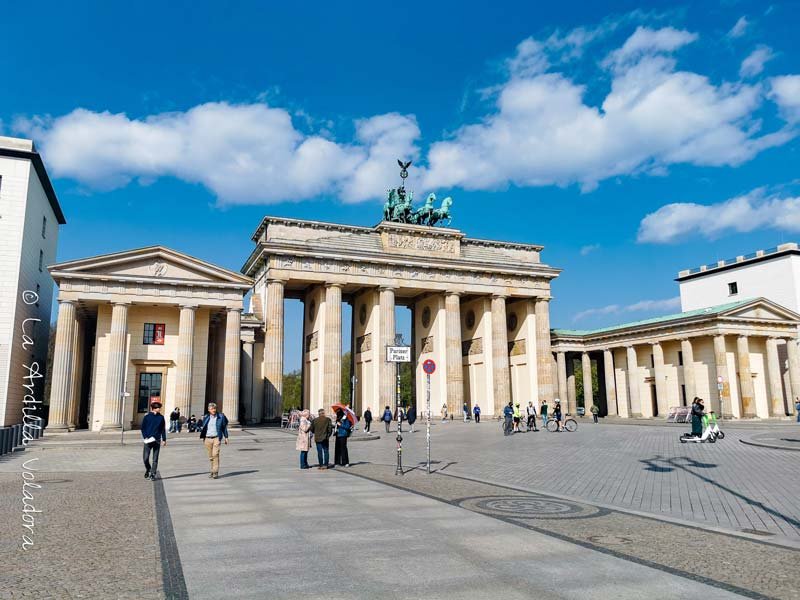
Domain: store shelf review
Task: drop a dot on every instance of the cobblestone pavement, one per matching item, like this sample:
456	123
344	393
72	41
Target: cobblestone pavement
749	568
645	469
95	537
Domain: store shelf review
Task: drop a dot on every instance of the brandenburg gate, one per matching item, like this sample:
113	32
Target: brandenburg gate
480	309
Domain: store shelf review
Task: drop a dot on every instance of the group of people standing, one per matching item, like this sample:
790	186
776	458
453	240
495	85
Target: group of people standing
213	432
401	415
321	429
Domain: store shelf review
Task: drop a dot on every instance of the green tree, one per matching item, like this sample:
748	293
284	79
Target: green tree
291	390
578	370
346	358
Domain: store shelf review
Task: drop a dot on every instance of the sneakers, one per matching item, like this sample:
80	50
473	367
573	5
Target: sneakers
152	477
214	475
147	474
211	476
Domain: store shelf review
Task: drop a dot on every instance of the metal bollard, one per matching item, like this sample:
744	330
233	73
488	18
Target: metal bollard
2	441
7	441
17	436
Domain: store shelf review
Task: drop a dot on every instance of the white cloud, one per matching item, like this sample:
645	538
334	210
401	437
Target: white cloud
542	131
785	91
667	304
244	153
754	210
589	248
739	29
754	63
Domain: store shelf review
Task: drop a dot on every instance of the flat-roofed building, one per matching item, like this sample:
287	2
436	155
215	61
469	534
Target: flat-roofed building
30	216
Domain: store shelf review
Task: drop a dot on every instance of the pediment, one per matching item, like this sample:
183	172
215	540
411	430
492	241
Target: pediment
761	309
155	264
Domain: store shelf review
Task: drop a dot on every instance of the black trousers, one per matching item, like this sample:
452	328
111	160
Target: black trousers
531	421
155	448
340	455
478	418
387	425
367	425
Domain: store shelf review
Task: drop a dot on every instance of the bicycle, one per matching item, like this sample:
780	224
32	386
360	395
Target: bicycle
509	430
569	425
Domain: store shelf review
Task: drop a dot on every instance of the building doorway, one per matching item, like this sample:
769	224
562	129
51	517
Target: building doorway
149	388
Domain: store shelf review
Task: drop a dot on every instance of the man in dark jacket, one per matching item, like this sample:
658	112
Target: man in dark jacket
411	417
697	417
341	456
367	420
322	427
154	433
213	430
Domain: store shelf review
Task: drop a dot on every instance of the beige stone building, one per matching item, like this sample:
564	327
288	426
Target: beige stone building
480	310
151	323
741	357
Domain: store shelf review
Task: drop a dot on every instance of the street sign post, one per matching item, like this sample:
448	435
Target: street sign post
399	353
429	367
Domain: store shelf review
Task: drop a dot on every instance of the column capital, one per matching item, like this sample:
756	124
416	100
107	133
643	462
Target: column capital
276	280
120	303
232	309
334	284
499	296
542	298
189	306
742	335
387	288
453	293
66	301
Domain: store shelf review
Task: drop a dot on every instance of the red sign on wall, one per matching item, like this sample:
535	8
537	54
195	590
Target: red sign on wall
158	334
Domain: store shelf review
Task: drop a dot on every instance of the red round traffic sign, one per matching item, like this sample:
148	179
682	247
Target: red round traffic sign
429	366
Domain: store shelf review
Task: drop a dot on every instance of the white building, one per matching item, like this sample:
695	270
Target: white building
773	274
29	220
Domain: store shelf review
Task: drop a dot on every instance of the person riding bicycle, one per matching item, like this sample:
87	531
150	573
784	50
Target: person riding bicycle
517	417
508	413
557	417
531	410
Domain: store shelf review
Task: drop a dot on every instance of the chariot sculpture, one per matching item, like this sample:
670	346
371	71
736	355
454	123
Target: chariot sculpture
399	205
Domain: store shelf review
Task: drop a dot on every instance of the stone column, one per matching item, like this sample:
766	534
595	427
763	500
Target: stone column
117	363
794	371
746	391
273	350
633	383
230	386
775	386
688	370
660	375
386	371
183	372
586	365
611	382
61	380
561	362
76	373
455	372
332	352
247	378
572	394
544	356
721	360
500	362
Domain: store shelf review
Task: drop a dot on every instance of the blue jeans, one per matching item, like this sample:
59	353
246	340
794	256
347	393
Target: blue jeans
304	459
323	453
798	416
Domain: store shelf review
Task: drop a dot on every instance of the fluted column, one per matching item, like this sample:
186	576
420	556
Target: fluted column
611	382
273	350
633	382
723	378
230	386
746	391
794	371
660	375
76	372
586	366
500	362
183	372
387	375
775	385
61	380
572	393
115	373
688	370
561	362
332	376
544	356
455	372
251	412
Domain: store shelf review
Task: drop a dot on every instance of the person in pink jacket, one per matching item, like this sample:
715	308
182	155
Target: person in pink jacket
303	443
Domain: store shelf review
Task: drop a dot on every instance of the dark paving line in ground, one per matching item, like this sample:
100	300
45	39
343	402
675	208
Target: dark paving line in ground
672	548
171	569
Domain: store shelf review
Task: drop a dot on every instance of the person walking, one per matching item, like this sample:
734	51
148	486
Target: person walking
411	416
444	413
343	429
154	435
476	411
543	412
367	419
595	410
304	438
465	410
508	414
387	417
797	408
173	420
531	411
213	431
322	427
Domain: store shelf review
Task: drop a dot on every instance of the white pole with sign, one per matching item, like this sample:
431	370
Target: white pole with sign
429	367
397	354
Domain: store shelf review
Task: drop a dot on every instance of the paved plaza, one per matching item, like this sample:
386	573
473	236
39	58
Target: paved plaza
610	511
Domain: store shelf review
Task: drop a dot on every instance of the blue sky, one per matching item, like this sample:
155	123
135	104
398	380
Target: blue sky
630	140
